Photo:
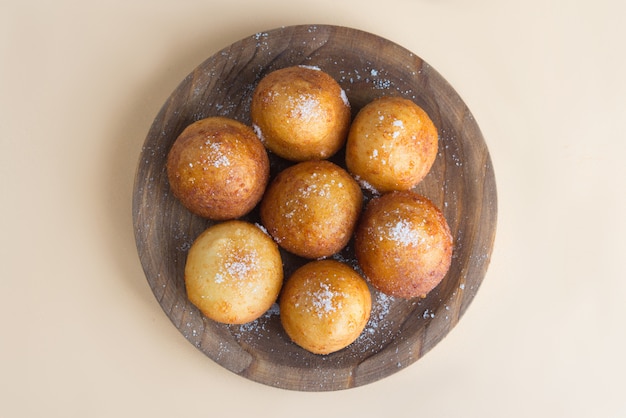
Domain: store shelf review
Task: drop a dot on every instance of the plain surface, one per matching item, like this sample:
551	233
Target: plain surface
82	334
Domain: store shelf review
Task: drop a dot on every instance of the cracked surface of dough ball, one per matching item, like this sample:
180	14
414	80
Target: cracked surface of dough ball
300	113
325	306
218	168
392	144
403	244
311	208
233	272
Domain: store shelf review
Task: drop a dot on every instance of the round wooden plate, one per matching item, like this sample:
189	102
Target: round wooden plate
461	183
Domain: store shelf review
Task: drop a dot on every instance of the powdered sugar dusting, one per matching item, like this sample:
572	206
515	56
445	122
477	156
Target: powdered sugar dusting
379	330
403	233
304	106
428	314
323	300
237	269
310	67
217	157
261	328
344	98
258	132
262	228
241	266
366	185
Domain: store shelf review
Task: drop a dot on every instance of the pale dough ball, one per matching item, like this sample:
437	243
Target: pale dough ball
311	208
218	168
392	144
300	113
403	244
233	272
325	306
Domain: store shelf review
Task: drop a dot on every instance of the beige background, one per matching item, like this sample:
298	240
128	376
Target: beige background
82	334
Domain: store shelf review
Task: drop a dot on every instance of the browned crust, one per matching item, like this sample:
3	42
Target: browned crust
403	244
392	144
311	208
325	306
300	114
218	168
233	272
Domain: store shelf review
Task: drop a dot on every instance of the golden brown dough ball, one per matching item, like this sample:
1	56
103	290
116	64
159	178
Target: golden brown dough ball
311	208
218	168
300	113
325	306
233	272
403	244
392	144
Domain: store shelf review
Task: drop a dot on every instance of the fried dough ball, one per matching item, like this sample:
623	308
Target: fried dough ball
300	113
218	168
325	306
392	144
311	208
233	272
403	244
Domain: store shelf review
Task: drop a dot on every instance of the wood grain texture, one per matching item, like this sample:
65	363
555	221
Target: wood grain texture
461	183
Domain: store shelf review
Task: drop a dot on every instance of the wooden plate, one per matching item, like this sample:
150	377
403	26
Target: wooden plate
461	183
